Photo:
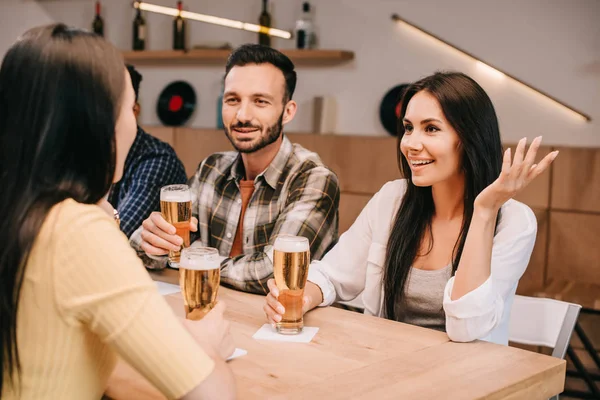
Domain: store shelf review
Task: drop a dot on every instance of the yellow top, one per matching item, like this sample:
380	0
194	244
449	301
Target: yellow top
86	297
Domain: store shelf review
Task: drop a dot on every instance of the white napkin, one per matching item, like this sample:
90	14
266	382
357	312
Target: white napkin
237	353
167	288
267	332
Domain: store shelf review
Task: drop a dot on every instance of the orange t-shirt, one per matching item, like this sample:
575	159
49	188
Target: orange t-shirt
246	189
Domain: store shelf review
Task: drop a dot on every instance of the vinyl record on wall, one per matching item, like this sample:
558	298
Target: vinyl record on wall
389	109
176	103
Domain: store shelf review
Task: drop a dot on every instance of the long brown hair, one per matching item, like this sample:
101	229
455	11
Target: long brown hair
60	93
471	113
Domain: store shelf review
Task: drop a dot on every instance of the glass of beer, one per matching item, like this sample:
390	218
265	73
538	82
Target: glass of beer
176	209
291	258
199	278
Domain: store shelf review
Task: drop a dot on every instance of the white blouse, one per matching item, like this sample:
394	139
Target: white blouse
355	266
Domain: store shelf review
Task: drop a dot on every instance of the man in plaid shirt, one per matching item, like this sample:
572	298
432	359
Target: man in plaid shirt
150	165
243	200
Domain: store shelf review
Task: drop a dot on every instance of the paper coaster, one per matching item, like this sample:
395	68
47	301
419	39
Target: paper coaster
267	332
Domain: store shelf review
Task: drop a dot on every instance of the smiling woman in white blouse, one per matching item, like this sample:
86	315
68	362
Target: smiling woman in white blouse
445	247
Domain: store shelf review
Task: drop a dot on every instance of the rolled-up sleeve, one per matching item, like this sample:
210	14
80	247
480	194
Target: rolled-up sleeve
476	314
317	274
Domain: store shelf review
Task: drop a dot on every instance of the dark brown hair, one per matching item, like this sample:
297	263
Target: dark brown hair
471	113
60	93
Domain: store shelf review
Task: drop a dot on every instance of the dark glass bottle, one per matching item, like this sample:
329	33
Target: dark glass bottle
179	29
139	31
265	20
305	29
98	24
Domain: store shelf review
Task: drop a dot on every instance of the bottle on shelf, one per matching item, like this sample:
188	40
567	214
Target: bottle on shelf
305	34
264	20
139	31
98	23
179	29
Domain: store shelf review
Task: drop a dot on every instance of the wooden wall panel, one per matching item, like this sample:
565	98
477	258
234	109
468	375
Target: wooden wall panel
305	140
537	193
164	133
194	145
363	164
533	278
576	180
350	207
574	252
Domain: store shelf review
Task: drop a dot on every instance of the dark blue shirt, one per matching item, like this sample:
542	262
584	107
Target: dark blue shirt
150	165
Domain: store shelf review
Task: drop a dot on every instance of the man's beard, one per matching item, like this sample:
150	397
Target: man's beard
270	136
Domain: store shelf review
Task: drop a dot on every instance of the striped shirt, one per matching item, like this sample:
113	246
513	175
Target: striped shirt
297	194
150	165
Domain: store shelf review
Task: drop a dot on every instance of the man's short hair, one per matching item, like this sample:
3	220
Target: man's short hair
136	78
259	54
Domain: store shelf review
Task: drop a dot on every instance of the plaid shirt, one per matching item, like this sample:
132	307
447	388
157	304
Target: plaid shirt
295	195
150	165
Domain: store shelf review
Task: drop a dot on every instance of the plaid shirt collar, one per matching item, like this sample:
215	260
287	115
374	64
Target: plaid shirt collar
274	170
135	149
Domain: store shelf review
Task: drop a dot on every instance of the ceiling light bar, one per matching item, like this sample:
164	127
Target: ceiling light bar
230	23
496	71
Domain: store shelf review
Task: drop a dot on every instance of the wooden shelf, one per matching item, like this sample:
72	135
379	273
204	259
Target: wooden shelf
314	58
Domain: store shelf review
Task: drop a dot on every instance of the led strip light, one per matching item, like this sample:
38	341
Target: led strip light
209	19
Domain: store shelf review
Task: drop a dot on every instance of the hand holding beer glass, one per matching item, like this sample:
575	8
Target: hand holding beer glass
199	278
176	209
291	258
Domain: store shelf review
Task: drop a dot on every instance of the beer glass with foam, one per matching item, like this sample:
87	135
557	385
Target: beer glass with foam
199	278
176	209
291	258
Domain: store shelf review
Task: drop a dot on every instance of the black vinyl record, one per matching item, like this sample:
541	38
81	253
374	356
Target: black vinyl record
176	103
389	109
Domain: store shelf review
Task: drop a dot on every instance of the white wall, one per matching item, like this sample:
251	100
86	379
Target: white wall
551	44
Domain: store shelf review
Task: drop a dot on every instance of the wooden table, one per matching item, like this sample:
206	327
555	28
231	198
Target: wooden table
362	357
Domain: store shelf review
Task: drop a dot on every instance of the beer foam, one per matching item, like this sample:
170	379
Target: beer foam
291	244
175	196
199	258
199	264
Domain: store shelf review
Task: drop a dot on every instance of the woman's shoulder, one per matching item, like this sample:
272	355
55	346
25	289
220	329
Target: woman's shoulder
384	204
517	221
388	197
69	210
69	217
392	191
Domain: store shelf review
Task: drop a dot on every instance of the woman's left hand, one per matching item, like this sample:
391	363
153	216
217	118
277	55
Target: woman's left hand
514	176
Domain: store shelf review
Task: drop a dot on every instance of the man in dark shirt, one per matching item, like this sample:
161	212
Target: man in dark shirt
150	165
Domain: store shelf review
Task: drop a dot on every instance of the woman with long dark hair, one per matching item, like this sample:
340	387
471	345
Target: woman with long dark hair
73	294
445	247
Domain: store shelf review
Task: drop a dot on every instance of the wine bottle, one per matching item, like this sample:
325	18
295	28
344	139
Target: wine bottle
305	29
98	24
265	20
139	31
179	29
